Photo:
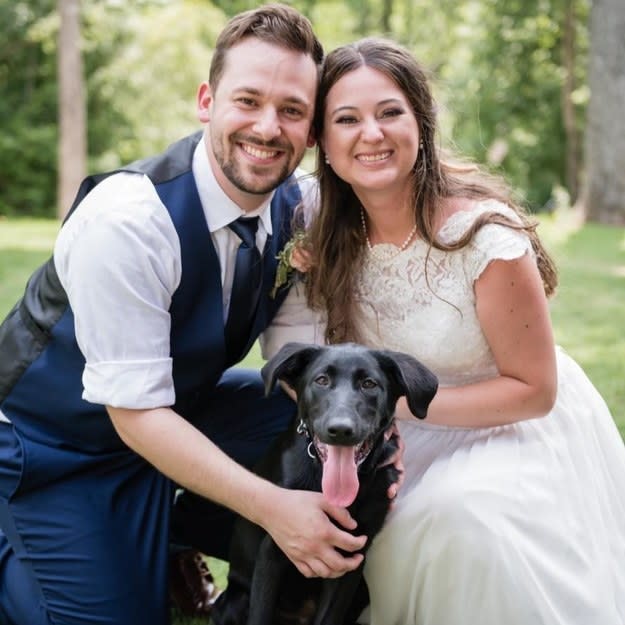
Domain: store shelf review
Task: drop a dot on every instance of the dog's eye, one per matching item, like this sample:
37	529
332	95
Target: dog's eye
368	383
322	380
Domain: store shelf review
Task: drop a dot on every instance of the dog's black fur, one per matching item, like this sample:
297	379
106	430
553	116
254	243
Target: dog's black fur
346	395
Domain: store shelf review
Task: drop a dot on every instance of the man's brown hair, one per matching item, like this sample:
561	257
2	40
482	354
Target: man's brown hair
276	24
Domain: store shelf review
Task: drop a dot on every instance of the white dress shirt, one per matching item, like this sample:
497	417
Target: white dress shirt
118	259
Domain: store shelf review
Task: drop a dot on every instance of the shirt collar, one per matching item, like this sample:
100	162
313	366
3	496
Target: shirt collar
219	209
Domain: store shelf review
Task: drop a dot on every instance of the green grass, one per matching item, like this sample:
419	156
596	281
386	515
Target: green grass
588	311
24	245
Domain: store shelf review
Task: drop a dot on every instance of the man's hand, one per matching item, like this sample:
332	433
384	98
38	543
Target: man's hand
302	528
300	522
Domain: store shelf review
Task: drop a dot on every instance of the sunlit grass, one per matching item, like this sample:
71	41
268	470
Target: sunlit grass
24	245
588	310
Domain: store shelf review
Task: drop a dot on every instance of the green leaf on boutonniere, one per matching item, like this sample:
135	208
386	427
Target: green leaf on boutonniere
285	271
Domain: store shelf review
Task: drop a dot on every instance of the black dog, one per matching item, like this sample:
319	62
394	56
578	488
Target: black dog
346	396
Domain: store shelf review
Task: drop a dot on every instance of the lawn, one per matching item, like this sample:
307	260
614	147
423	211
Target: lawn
588	310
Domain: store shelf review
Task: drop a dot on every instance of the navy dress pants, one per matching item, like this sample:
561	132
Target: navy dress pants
84	536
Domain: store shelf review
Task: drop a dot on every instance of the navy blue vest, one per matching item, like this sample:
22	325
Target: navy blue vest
40	363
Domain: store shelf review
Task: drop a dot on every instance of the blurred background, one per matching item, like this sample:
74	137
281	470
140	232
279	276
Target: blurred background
535	89
93	84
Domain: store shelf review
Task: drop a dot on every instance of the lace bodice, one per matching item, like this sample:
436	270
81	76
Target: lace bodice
424	304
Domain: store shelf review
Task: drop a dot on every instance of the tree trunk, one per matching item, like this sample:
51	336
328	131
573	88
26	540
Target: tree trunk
364	13
604	197
72	148
387	12
568	106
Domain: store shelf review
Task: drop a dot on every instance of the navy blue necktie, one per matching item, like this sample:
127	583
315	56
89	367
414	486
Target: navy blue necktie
246	285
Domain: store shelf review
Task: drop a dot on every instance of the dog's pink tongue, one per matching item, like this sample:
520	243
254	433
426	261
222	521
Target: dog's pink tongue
339	483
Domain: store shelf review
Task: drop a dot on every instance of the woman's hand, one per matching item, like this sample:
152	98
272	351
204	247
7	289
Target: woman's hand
301	259
396	459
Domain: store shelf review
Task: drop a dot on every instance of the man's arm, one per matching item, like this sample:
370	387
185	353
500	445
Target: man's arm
298	521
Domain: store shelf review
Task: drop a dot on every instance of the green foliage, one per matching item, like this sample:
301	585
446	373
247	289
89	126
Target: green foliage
506	90
143	97
27	167
143	62
232	7
498	68
498	74
27	108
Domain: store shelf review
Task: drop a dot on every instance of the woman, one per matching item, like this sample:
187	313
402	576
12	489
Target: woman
513	506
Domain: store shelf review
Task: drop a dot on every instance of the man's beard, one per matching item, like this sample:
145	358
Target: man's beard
237	175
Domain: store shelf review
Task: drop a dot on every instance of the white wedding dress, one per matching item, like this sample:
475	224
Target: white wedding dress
520	524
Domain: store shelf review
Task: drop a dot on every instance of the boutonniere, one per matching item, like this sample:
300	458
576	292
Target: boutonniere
288	270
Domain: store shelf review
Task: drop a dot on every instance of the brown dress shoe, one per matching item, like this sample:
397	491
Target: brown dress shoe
192	587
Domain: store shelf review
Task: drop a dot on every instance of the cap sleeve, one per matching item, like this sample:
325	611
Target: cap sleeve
491	242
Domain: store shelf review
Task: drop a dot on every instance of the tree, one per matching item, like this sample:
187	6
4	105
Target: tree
604	197
72	148
569	117
510	79
27	107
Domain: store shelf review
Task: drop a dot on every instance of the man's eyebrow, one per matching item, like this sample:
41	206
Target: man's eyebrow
244	89
257	92
299	102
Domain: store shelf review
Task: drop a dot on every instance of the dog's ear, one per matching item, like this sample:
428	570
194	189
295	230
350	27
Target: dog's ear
411	378
287	364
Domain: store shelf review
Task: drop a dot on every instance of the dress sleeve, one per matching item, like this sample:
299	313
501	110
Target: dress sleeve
491	242
496	242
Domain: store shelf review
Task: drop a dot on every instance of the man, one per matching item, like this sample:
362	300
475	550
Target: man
115	385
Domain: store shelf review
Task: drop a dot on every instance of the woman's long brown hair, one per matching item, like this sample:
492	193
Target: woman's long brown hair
336	240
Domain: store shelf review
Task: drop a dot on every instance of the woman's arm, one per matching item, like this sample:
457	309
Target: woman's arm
513	312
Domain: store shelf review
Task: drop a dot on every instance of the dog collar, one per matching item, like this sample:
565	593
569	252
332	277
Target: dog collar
302	428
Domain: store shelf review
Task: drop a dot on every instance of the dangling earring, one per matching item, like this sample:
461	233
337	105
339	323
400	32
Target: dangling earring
327	160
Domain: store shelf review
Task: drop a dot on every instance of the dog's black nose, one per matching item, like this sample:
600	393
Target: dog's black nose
341	432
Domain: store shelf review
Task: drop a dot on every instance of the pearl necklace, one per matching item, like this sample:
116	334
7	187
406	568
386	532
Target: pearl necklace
375	253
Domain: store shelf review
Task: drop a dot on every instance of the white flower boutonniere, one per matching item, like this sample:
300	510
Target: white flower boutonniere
288	269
